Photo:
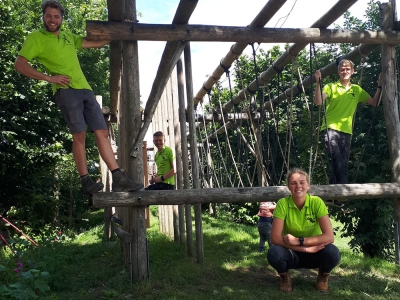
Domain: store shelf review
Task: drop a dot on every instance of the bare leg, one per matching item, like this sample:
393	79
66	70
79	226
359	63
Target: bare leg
78	149
104	146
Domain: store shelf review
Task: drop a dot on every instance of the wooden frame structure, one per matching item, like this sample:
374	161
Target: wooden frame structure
124	89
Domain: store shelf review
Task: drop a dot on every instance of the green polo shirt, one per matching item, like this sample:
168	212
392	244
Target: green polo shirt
341	105
302	222
164	159
57	55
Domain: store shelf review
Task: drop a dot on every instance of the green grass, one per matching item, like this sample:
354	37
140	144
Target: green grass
89	268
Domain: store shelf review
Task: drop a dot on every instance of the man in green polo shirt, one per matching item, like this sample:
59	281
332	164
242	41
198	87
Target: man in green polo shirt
165	162
341	98
56	49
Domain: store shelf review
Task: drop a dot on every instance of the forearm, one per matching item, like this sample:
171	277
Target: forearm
375	100
318	239
317	95
280	242
169	174
26	69
94	44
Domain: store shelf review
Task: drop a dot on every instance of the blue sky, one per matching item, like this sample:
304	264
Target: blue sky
206	55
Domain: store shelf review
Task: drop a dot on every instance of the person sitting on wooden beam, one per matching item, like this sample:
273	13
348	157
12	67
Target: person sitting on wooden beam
164	179
341	98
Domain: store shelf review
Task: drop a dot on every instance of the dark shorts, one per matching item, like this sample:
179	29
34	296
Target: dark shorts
80	108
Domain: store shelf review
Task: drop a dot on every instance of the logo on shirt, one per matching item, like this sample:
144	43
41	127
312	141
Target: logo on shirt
310	219
65	38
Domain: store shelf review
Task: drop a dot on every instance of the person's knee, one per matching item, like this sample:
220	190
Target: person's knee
274	254
79	137
332	253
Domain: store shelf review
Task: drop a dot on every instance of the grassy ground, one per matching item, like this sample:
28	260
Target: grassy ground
89	268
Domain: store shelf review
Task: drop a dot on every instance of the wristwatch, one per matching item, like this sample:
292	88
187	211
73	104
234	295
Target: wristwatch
301	240
162	177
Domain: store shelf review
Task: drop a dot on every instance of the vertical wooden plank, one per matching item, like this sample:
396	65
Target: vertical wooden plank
185	159
178	210
173	211
391	105
193	152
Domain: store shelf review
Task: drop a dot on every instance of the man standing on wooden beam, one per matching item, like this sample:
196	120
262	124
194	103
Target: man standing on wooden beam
55	49
342	98
165	162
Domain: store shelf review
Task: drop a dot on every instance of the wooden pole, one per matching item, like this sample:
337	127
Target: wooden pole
247	194
193	152
391	104
178	210
133	220
185	157
119	31
172	224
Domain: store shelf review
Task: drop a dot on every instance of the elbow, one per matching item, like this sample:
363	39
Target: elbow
275	240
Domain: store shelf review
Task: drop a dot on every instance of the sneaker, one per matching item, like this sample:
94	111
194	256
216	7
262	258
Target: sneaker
89	187
122	183
334	203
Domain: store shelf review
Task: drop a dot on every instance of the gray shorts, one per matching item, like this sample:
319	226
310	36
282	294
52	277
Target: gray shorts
80	108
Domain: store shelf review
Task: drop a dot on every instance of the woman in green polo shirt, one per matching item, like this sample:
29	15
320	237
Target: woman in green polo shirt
302	234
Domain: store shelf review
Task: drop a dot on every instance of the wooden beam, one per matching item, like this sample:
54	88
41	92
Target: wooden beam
247	194
102	30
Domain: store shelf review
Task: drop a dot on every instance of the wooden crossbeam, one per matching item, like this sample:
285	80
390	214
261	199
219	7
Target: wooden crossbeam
240	195
102	30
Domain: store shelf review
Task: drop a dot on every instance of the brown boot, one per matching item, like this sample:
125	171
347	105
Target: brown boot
286	282
322	282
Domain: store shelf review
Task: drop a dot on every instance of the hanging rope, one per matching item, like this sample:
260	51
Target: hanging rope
252	134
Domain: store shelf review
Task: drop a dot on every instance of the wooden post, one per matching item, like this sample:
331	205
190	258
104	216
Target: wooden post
178	218
133	219
172	229
391	104
185	157
193	152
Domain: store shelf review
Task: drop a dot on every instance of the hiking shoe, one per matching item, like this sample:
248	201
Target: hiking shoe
334	203
286	282
122	183
322	282
89	187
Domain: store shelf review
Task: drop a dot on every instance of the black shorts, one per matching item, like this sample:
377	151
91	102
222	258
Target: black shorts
80	109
